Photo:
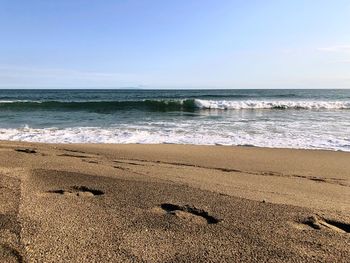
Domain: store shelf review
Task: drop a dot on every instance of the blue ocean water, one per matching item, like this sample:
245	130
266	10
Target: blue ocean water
314	119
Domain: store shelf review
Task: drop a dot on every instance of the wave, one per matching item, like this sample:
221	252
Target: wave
146	134
100	106
281	104
170	105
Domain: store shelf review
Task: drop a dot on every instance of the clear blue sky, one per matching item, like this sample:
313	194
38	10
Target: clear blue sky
175	44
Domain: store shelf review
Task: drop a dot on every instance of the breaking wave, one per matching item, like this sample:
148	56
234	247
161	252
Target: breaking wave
171	105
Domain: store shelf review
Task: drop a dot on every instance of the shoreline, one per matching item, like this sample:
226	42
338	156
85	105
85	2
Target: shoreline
170	202
181	144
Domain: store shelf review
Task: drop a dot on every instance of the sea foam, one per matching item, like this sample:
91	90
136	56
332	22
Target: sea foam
183	134
266	104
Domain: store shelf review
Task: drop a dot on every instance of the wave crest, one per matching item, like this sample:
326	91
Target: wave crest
172	105
256	104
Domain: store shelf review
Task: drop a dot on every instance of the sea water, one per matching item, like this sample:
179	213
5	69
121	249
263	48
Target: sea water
311	119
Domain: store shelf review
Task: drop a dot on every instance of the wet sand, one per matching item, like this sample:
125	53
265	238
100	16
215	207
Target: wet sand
172	203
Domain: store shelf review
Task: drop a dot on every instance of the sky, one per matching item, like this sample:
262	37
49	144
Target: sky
175	44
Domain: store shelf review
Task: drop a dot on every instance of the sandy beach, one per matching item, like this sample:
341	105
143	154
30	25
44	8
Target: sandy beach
172	203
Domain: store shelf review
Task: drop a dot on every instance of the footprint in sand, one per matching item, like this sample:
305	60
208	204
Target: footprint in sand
26	150
189	213
319	223
77	191
89	161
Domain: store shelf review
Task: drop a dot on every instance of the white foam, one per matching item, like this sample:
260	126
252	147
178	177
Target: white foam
182	134
270	104
15	101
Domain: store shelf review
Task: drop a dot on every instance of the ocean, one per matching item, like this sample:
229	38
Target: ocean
307	119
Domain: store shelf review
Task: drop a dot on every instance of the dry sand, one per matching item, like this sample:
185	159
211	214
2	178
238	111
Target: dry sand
172	203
